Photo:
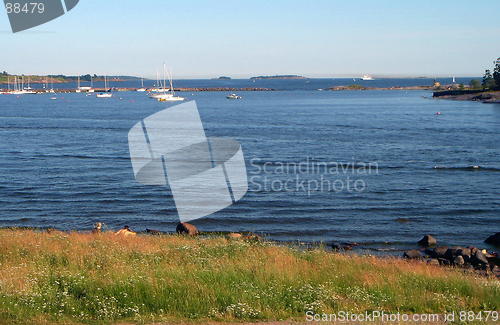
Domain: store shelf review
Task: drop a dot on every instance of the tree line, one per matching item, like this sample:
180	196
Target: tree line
491	81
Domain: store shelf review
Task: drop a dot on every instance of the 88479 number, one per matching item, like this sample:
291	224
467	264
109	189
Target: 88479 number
32	7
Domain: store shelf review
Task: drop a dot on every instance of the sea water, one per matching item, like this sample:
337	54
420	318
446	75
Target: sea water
381	168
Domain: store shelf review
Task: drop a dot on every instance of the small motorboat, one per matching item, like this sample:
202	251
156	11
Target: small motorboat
233	96
104	95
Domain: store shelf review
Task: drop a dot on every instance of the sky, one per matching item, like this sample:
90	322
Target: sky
241	39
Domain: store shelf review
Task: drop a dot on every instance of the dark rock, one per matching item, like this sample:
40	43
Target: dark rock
433	261
493	239
473	250
429	252
493	261
444	261
153	232
466	258
464	252
439	251
347	248
413	254
451	253
185	228
479	259
427	241
336	246
459	260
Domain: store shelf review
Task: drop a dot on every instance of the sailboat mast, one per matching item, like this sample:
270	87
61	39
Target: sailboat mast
164	80
171	80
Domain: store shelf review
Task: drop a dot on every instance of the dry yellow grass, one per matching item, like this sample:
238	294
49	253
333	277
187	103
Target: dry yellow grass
75	277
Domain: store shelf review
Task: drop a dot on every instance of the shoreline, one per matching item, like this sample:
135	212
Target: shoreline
234	89
336	247
75	278
469	95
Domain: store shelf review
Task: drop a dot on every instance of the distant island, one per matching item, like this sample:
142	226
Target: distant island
279	77
222	78
8	78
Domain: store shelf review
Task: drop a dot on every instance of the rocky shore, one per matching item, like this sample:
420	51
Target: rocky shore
468	258
489	97
427	250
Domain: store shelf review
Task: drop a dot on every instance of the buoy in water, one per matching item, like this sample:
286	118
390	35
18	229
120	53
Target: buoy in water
131	101
67	100
438	113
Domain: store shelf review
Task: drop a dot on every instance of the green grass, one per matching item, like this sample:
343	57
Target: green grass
81	278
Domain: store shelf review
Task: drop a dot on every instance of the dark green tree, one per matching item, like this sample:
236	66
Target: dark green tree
475	84
488	81
496	72
461	86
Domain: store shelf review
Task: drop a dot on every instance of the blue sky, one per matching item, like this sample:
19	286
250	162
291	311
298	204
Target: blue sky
240	39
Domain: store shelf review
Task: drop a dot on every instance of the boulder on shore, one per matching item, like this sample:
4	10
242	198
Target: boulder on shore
465	252
444	261
252	237
438	251
459	260
451	253
493	239
479	259
233	235
427	241
185	228
153	232
413	254
433	261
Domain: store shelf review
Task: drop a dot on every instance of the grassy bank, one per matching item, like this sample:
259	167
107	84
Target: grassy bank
84	278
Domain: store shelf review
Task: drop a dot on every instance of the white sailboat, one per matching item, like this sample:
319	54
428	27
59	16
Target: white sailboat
19	88
51	90
85	88
78	90
105	94
159	87
52	86
142	89
28	90
164	96
91	90
8	92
